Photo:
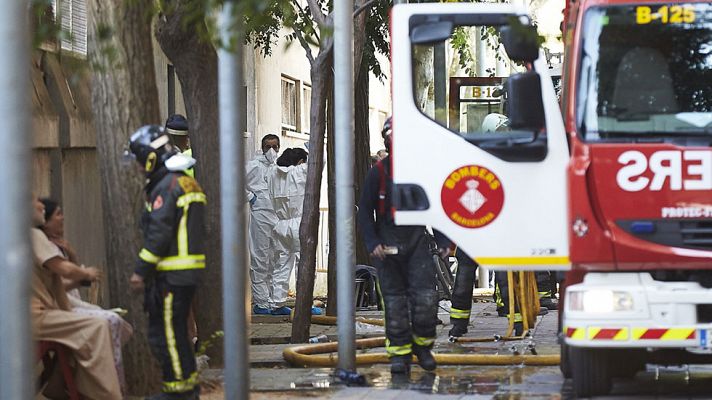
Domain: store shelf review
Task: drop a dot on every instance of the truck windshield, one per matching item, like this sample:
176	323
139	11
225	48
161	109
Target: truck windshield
646	71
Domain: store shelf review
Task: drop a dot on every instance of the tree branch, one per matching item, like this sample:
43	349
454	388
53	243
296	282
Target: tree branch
305	45
363	7
316	13
301	10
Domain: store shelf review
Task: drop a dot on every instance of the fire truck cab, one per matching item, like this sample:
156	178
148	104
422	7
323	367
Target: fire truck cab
619	190
637	105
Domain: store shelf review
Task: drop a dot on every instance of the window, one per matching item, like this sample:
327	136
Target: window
446	90
73	20
289	104
306	107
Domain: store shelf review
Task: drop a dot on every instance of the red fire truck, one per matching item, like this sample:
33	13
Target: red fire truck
618	192
637	105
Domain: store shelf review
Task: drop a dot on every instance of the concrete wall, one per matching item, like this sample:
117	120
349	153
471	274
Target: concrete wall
64	160
379	104
289	61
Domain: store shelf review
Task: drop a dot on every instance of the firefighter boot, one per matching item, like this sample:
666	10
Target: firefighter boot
401	364
459	327
425	357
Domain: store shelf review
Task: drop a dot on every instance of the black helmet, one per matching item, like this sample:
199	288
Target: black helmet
150	147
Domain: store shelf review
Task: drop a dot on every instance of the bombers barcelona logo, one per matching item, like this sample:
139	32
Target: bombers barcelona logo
472	196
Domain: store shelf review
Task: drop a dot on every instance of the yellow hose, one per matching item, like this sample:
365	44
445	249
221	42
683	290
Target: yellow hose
521	289
323	355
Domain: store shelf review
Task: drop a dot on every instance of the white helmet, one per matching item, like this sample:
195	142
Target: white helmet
494	122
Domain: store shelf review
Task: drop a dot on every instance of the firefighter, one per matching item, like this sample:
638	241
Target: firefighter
546	286
177	127
406	273
170	264
461	307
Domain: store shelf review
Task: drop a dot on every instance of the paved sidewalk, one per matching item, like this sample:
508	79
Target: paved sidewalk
272	377
270	335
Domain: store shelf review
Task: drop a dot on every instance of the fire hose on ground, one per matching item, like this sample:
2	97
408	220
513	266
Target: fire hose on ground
323	354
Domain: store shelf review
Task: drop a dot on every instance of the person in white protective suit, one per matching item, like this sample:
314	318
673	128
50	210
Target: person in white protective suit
287	184
262	222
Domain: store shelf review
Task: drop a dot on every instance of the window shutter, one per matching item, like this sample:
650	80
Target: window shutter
79	26
73	17
65	13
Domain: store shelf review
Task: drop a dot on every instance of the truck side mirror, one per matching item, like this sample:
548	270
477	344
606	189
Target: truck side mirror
525	107
431	32
520	42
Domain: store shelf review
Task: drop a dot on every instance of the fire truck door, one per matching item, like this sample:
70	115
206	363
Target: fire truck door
493	184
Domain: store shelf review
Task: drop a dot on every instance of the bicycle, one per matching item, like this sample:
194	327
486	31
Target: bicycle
445	276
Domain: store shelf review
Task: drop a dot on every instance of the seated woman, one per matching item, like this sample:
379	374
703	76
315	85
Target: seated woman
121	330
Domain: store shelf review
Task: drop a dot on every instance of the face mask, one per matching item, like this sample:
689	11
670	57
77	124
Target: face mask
271	156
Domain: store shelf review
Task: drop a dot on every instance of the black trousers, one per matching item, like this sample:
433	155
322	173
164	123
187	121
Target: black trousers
407	285
501	295
168	307
464	284
546	283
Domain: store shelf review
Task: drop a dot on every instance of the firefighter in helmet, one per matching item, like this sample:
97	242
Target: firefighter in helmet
170	263
406	273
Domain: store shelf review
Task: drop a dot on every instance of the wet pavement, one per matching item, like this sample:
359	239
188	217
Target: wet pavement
272	378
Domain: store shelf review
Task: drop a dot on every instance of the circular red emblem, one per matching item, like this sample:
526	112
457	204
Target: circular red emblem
472	196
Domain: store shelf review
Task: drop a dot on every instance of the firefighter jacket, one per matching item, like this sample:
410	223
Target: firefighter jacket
376	201
173	225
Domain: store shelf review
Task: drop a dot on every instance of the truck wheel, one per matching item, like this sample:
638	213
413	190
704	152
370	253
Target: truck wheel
590	371
565	361
627	363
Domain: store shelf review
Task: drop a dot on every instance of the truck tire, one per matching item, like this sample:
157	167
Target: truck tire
626	363
590	371
565	361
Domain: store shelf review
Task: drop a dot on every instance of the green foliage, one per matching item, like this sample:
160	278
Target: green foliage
377	36
106	56
45	29
459	41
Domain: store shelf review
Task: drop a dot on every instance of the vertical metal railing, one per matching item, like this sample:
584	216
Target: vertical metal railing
15	259
235	260
344	146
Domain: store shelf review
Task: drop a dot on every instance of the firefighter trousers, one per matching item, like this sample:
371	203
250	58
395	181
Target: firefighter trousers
168	307
464	285
407	285
501	296
546	283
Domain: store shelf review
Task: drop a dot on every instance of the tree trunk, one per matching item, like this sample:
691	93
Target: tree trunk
125	97
362	149
321	78
331	286
360	115
196	65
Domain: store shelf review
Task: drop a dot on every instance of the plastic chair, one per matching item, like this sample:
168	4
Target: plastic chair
62	354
